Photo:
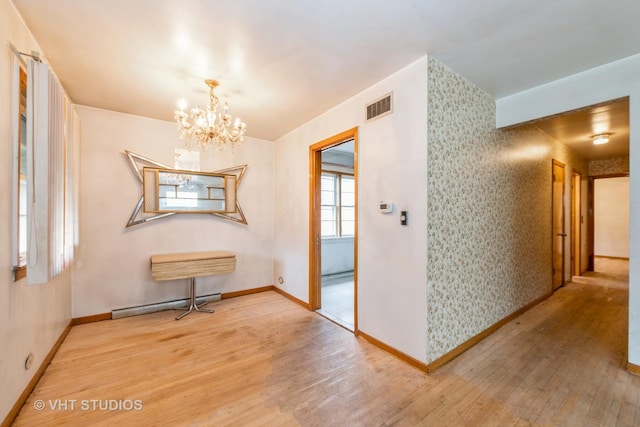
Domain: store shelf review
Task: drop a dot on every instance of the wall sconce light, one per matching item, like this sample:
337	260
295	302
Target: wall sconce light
602	138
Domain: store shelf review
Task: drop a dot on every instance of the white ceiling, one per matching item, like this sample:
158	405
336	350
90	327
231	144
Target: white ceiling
280	63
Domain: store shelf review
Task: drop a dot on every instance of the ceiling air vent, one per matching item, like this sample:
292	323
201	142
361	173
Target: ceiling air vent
380	107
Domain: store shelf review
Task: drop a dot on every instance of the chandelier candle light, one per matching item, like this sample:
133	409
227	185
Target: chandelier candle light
209	126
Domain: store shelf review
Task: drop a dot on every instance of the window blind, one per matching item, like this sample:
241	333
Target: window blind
51	175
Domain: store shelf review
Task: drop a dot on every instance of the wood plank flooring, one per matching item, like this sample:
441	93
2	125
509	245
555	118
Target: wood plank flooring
264	360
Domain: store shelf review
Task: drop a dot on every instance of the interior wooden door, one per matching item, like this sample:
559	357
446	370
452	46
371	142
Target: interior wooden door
558	230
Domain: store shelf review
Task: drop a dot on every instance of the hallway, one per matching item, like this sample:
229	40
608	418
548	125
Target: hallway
261	359
608	272
562	363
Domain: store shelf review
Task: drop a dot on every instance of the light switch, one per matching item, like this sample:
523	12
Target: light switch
403	218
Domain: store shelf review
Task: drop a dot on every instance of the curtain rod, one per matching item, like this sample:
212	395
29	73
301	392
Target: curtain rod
35	55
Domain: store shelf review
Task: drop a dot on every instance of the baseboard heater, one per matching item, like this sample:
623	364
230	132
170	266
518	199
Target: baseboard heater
160	306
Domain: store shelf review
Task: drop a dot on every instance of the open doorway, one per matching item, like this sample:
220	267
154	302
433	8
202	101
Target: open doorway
598	137
333	225
611	224
608	201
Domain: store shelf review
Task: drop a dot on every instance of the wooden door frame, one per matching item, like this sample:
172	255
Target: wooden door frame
315	239
576	223
554	163
591	222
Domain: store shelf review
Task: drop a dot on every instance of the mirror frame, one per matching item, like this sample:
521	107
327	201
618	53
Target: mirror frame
233	176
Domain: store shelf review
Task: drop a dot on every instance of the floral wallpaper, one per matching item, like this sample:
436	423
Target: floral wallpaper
489	212
619	165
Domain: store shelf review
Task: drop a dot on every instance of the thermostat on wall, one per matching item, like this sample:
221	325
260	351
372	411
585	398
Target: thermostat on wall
386	207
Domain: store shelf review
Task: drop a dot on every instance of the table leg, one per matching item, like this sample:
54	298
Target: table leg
192	301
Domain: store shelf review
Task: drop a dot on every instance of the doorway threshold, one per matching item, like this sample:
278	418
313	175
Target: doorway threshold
340	322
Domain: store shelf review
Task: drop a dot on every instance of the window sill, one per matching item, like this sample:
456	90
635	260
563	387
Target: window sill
336	239
19	273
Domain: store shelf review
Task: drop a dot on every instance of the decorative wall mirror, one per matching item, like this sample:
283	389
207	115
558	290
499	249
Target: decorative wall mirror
179	191
167	191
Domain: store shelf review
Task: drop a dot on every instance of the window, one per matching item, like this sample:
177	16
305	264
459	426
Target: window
337	199
45	174
347	205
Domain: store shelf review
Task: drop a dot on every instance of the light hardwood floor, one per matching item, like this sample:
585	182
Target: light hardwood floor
263	360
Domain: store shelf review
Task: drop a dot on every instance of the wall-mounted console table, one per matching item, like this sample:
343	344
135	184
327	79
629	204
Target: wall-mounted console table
190	265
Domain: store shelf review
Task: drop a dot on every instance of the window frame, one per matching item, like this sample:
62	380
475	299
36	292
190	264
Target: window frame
20	174
49	234
337	206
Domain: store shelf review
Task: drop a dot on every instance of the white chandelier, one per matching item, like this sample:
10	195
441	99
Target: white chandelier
209	126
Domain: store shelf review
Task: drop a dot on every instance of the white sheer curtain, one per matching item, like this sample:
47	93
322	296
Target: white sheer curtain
52	128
